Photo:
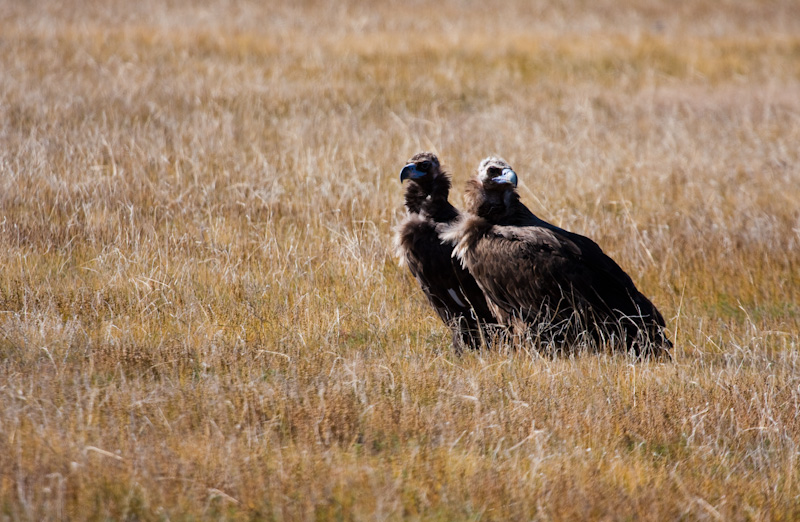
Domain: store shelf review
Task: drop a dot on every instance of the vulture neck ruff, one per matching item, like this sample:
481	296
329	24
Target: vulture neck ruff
427	194
502	207
497	205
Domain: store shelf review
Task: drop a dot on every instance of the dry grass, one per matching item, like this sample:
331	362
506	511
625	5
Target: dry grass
200	313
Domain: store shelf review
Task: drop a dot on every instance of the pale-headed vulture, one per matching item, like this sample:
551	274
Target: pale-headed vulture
558	284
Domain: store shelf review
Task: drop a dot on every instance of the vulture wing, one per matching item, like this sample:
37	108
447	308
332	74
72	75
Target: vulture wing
450	289
551	277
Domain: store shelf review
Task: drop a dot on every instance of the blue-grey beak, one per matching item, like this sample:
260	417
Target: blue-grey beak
508	176
410	172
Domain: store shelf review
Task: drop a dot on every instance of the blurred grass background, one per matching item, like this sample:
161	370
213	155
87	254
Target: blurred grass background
201	315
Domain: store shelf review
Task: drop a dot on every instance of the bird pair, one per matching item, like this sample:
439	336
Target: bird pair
497	267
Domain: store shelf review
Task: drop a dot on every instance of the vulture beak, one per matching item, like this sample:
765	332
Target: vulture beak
410	171
508	176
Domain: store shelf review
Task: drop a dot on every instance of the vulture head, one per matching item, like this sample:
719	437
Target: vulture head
496	174
422	168
490	194
427	180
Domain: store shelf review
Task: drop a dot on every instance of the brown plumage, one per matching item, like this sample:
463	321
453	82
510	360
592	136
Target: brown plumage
450	289
559	284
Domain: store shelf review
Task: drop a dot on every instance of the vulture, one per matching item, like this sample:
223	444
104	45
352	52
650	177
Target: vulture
450	289
557	285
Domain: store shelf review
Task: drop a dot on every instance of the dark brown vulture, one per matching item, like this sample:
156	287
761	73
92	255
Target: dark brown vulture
559	284
450	289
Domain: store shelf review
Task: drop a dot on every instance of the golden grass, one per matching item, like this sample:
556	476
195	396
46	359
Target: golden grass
201	316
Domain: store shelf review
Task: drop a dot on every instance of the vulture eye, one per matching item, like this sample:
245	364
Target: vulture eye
425	166
493	172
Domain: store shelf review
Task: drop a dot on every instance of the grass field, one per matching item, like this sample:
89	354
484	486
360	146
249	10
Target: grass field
202	317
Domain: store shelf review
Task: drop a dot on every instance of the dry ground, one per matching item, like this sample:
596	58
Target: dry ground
201	316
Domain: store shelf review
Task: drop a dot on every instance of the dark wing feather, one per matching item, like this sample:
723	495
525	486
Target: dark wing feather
450	289
523	270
